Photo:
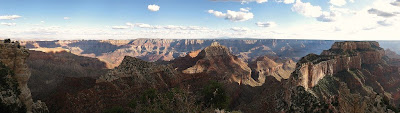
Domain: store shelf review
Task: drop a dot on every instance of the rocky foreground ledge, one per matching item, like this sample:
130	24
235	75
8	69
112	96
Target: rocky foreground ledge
13	57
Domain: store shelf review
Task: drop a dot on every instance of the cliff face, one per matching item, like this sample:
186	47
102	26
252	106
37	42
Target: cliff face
271	66
13	56
342	56
347	73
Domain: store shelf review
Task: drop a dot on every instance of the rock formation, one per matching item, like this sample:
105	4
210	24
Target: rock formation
217	60
142	72
349	77
14	56
342	56
113	51
271	66
48	70
10	92
116	88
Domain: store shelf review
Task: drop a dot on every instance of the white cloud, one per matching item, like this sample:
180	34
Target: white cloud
217	13
153	7
245	1
288	1
142	25
130	24
174	27
120	27
385	23
99	33
342	10
307	9
9	17
8	24
338	2
258	1
168	27
196	28
67	18
266	24
380	13
328	17
240	29
245	9
285	1
396	3
42	22
235	16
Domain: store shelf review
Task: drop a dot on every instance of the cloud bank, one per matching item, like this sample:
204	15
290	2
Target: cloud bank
235	16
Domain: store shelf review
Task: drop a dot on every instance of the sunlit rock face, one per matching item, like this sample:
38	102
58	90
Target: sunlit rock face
218	60
341	56
349	72
276	67
14	57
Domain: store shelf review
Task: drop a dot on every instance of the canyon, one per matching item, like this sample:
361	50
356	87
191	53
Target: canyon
112	52
203	76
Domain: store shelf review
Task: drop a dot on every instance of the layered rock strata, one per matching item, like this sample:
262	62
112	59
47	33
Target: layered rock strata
217	60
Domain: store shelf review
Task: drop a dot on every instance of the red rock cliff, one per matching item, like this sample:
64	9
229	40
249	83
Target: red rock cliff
342	56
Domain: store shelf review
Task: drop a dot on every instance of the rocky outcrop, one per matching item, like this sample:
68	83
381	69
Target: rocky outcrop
9	95
217	60
370	52
14	56
342	56
141	72
355	45
349	77
271	66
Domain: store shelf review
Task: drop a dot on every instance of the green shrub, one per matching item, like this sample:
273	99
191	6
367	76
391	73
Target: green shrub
214	95
7	84
148	96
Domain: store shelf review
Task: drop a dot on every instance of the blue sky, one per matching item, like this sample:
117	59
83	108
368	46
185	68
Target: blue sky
129	19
